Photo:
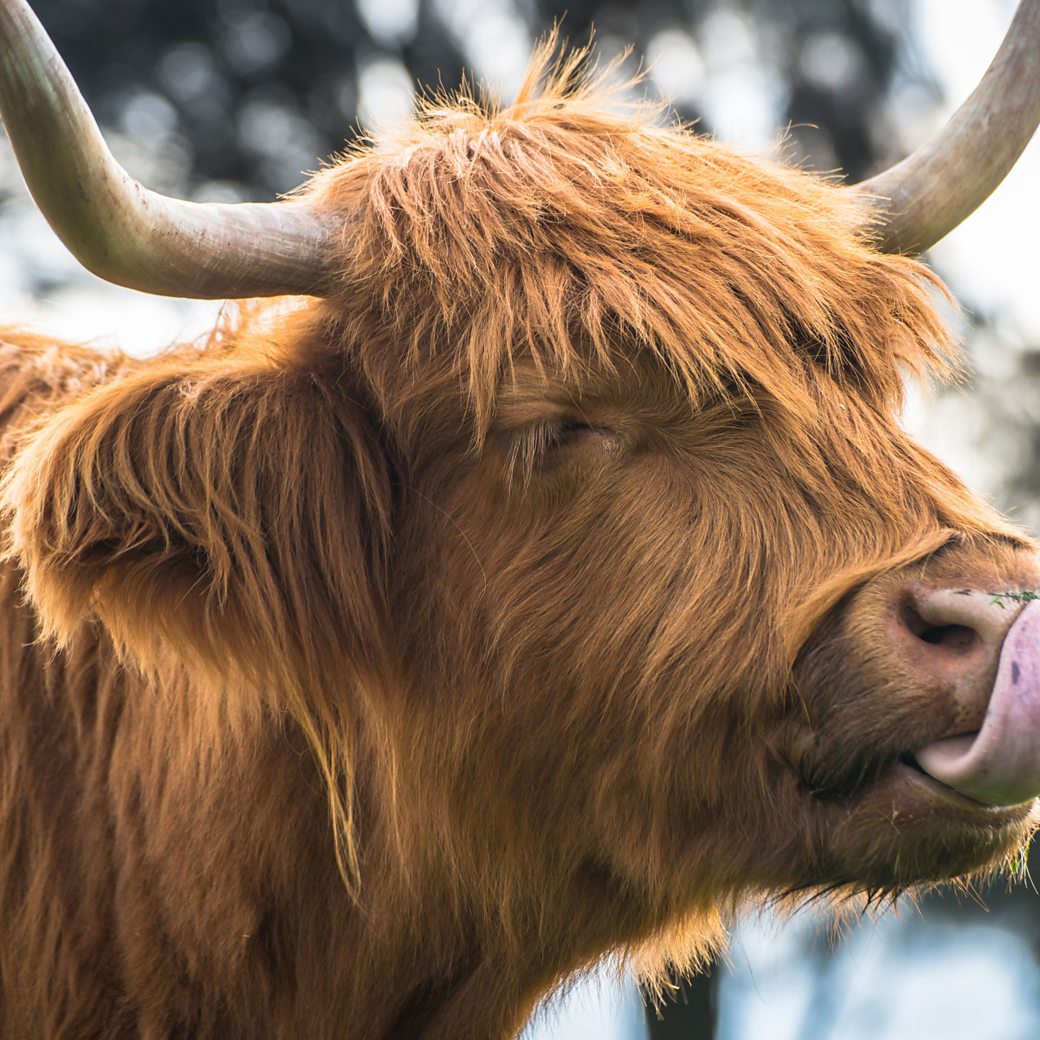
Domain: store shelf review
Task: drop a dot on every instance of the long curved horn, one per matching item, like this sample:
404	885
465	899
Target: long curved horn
924	197
121	230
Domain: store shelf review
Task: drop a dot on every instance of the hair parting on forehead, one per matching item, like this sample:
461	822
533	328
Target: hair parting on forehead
572	224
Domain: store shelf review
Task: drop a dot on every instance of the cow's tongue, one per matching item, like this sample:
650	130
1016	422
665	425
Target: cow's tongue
1000	765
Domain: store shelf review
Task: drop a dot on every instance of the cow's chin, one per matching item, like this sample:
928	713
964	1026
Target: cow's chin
904	828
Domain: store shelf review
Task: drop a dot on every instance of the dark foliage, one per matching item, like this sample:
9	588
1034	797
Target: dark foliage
252	87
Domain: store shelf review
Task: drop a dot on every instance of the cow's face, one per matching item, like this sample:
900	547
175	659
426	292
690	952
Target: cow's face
665	562
712	632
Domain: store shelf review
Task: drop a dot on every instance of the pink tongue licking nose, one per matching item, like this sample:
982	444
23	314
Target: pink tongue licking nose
1000	765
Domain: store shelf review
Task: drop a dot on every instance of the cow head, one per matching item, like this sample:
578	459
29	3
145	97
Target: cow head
573	524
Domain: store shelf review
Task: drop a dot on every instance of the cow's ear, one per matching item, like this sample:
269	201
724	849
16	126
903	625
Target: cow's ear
234	515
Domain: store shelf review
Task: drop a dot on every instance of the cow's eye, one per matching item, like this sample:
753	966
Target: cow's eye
575	432
539	446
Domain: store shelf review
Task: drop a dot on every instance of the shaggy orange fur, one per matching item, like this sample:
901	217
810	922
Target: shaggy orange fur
389	658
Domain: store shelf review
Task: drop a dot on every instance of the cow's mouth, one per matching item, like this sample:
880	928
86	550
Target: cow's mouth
915	793
908	766
902	827
893	823
994	763
902	771
908	760
918	752
907	793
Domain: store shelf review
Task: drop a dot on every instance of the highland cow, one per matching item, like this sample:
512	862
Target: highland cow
549	579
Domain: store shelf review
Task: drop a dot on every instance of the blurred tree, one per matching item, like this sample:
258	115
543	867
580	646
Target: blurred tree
690	1012
246	93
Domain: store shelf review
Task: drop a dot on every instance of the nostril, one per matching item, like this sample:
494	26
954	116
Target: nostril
948	644
952	637
955	638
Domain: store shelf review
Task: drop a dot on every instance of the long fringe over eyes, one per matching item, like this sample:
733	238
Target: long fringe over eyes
571	226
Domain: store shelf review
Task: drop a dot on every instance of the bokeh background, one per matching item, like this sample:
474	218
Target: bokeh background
231	99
